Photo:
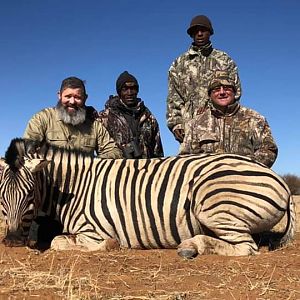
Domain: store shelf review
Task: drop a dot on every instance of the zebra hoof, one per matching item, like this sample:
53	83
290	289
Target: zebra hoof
111	244
187	253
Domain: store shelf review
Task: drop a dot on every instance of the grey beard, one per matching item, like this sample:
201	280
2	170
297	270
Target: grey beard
78	117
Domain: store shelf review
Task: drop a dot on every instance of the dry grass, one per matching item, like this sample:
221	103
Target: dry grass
281	225
156	274
297	204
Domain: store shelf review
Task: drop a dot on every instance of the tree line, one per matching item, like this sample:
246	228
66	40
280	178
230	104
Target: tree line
293	182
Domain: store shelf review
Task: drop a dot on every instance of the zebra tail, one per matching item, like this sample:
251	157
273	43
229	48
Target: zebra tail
290	230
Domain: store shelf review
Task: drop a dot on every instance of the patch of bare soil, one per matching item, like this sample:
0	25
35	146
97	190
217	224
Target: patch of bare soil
149	274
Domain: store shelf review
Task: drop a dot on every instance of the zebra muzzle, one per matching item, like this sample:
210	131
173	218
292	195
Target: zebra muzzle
14	240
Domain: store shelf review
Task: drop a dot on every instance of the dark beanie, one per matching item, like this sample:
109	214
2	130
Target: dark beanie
200	21
123	78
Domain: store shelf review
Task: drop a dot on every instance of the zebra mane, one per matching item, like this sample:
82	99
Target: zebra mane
14	155
20	148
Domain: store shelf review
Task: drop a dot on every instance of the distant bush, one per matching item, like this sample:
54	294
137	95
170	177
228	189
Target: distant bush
293	182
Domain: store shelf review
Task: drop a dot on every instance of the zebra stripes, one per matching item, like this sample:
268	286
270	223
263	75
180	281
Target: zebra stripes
200	204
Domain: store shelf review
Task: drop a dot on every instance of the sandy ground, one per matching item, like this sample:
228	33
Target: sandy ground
149	274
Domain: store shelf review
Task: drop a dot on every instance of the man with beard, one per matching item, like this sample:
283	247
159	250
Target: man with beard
190	74
72	124
130	123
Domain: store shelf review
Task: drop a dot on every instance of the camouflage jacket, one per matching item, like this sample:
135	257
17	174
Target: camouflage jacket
241	131
188	80
135	130
90	136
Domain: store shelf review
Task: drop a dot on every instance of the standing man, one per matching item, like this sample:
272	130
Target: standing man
190	74
71	124
130	123
227	127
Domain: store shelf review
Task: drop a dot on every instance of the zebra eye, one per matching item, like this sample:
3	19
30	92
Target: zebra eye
30	194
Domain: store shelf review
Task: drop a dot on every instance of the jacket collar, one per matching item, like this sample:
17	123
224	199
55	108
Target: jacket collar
231	109
196	51
115	103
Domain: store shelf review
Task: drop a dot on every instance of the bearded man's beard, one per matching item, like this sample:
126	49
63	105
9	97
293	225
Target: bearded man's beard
75	118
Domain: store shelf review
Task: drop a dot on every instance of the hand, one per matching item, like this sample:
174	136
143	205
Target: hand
179	135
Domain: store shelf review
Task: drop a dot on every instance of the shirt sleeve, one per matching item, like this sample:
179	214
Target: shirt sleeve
106	147
265	147
234	74
175	101
158	148
186	145
35	129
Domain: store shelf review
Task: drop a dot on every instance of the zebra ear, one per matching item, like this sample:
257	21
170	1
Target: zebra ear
3	164
36	164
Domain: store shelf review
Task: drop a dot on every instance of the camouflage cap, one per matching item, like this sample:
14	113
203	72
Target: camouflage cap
220	78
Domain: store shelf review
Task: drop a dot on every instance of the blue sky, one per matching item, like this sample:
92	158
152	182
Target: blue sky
44	41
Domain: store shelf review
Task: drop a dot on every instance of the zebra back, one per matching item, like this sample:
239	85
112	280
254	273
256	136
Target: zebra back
157	203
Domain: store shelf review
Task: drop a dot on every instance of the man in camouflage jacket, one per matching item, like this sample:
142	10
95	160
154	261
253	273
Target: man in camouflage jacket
130	123
227	127
190	74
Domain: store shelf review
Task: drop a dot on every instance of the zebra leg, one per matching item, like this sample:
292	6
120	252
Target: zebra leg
203	244
82	242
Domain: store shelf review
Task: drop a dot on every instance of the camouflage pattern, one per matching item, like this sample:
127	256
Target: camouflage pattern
90	136
220	78
240	131
189	77
135	131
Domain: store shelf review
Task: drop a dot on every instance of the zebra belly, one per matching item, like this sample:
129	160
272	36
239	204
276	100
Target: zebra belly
156	236
146	232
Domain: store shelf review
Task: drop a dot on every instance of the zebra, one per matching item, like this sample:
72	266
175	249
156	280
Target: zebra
199	204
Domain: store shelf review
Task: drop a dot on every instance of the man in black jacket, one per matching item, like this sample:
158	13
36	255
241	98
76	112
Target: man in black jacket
130	123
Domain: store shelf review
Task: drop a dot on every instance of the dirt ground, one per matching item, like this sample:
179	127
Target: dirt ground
149	274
